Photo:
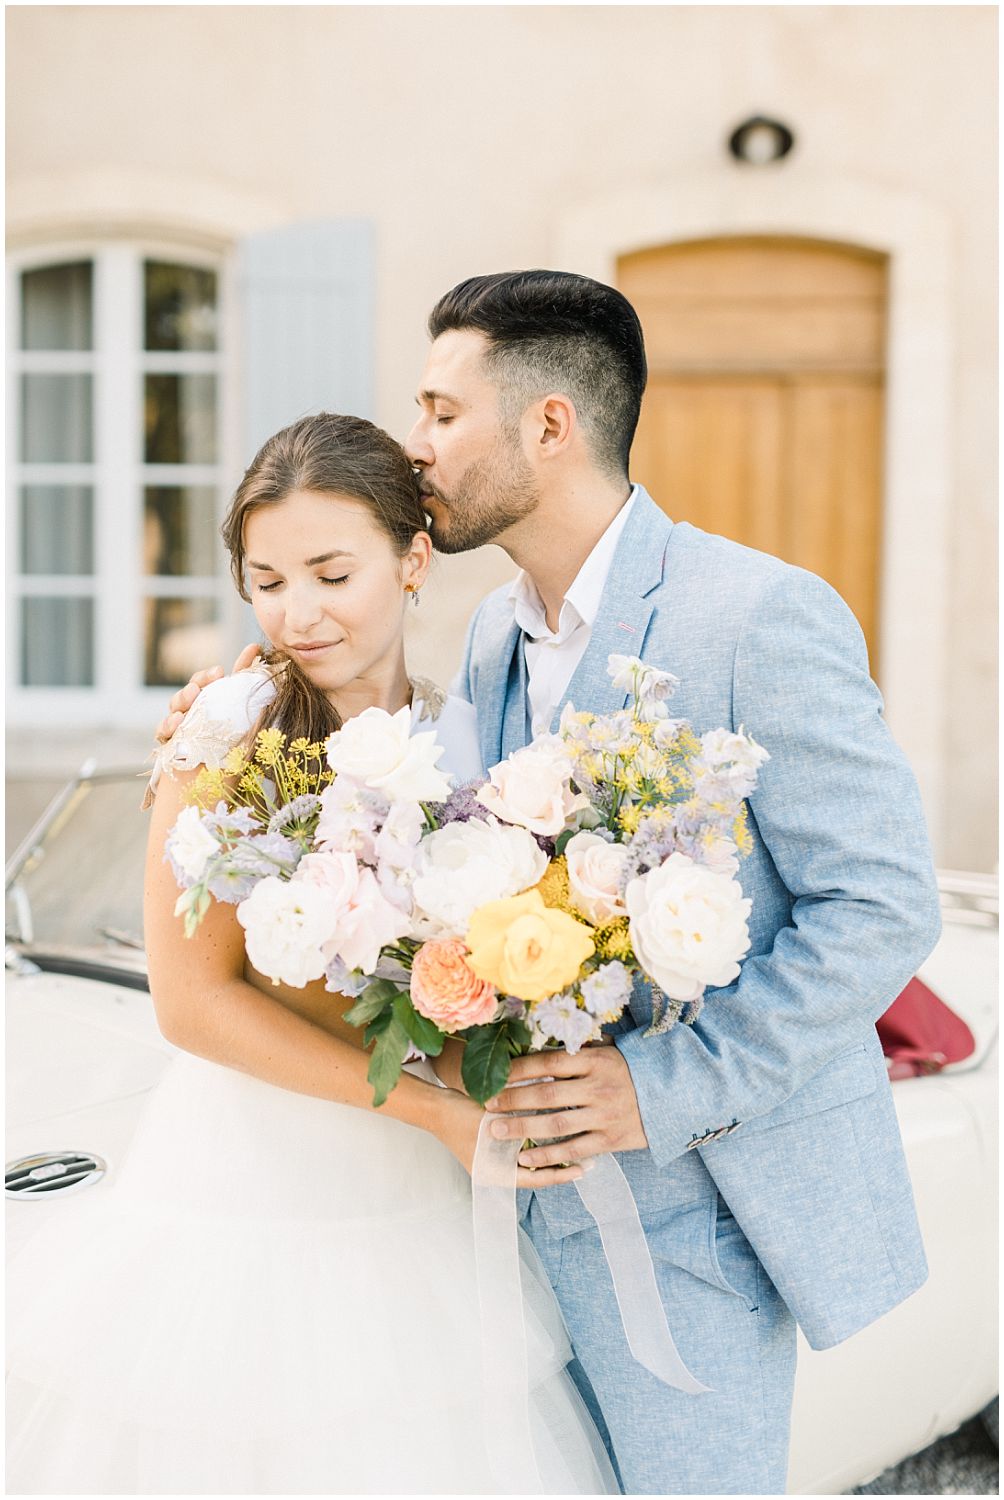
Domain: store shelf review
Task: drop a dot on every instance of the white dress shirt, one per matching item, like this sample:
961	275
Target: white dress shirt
553	655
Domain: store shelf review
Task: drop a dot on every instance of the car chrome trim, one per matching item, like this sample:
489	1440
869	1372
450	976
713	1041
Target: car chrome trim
52	1172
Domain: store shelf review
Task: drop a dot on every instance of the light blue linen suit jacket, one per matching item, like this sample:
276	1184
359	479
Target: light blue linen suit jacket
780	1088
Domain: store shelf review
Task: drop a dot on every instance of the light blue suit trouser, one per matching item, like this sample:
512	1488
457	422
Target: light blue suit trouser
732	1330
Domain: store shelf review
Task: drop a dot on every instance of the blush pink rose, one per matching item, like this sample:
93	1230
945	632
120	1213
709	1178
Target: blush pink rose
446	990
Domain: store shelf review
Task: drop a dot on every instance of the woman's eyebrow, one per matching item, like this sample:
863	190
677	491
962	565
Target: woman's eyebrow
311	562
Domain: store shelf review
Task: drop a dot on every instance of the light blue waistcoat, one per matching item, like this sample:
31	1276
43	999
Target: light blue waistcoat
780	1090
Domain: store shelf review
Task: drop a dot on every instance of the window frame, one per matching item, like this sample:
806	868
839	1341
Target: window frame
118	474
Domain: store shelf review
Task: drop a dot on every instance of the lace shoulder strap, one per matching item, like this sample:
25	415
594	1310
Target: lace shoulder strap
219	719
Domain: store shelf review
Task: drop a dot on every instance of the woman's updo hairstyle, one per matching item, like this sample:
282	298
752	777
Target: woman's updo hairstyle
326	454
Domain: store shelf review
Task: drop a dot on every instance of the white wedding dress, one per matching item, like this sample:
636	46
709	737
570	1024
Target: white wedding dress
278	1295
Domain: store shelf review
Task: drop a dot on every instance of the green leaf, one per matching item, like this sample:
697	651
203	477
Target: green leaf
562	840
485	1066
519	1036
377	995
385	1064
425	1034
377	1026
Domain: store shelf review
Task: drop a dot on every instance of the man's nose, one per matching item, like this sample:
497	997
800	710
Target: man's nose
417	446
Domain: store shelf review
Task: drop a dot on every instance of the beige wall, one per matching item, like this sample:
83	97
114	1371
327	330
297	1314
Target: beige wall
480	138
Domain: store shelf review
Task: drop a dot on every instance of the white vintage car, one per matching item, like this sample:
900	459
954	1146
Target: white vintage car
84	1051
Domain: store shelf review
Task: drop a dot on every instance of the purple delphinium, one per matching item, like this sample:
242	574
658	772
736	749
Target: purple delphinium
236	872
230	823
607	990
341	980
559	1019
462	804
648	848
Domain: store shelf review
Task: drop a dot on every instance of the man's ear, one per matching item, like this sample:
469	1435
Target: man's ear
556	422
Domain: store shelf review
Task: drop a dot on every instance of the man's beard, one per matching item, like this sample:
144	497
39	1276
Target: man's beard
492	495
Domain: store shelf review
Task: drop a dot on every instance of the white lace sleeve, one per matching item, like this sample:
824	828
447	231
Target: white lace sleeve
219	719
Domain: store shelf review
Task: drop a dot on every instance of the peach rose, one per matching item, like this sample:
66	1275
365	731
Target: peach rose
446	990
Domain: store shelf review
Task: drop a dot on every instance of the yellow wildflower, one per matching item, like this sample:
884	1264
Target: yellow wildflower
629	817
235	761
614	941
268	745
553	884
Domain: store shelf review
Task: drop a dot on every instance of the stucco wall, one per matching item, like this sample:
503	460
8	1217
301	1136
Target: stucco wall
474	137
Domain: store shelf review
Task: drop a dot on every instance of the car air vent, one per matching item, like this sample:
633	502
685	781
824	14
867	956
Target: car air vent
52	1172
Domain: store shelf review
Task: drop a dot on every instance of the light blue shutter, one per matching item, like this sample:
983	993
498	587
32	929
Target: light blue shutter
306	294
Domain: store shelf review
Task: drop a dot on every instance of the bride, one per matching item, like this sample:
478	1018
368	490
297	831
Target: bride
279	1293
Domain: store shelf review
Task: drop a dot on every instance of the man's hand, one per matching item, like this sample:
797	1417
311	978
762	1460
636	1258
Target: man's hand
591	1103
186	696
458	1120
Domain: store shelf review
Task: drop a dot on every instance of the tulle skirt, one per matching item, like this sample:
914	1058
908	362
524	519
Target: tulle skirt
278	1296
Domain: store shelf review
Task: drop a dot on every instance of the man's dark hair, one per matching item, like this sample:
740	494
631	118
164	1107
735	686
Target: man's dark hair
555	331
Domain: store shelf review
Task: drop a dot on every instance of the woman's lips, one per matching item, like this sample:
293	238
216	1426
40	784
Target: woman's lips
313	648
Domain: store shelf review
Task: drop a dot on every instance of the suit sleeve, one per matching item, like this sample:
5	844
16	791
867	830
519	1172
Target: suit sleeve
839	813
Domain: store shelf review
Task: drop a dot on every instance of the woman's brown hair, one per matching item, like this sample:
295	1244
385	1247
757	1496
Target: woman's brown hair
326	454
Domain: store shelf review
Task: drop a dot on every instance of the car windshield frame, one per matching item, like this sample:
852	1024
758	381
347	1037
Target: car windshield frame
41	871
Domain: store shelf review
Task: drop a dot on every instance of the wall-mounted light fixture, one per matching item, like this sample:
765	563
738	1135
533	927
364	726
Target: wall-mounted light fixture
758	141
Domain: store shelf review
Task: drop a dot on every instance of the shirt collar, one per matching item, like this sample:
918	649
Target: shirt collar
581	603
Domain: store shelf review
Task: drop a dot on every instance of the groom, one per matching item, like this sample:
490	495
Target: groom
761	1143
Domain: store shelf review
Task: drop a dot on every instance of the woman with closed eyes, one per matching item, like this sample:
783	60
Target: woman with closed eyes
278	1295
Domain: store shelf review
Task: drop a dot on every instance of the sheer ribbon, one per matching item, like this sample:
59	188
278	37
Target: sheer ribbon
607	1196
504	1364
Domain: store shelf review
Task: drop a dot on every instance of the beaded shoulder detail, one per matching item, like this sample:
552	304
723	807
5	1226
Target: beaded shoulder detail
432	697
219	719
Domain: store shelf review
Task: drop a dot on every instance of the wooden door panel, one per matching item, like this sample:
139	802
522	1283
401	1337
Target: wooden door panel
763	416
752	266
834	484
732	333
710	452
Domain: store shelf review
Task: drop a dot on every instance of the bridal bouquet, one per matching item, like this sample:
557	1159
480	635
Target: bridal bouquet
593	857
516	913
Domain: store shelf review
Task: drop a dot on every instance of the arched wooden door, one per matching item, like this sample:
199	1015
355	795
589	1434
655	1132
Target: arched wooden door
763	414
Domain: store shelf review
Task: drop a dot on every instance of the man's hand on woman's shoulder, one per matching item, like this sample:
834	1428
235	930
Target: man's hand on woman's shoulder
186	696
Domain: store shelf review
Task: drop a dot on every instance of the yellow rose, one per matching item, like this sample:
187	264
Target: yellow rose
525	948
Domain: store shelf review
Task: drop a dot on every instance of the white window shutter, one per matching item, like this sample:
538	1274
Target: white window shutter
306	297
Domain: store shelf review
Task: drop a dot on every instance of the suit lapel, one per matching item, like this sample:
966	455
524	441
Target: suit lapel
493	692
516	730
625	610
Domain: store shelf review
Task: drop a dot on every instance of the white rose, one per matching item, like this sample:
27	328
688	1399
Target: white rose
190	844
361	918
371	922
463	865
688	926
286	923
594	875
379	750
531	789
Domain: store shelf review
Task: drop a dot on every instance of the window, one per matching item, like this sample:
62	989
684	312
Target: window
118	586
